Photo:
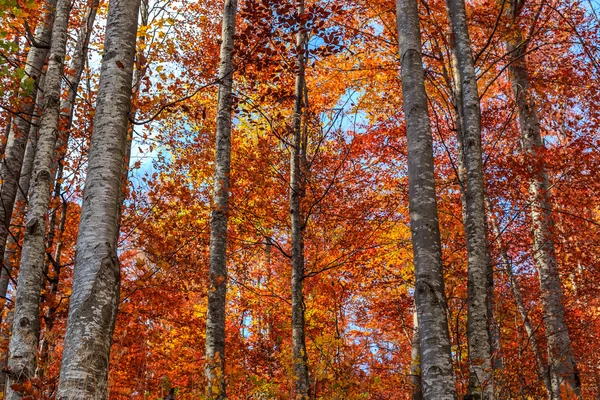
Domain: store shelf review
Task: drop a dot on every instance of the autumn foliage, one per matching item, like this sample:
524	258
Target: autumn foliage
359	272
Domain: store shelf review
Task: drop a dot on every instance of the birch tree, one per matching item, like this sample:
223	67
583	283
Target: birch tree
300	361
215	317
25	327
95	295
541	366
430	299
76	67
479	268
11	165
563	368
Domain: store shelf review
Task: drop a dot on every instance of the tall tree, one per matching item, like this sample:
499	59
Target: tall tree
215	316
26	322
11	165
479	267
300	361
541	366
67	106
95	295
430	297
563	368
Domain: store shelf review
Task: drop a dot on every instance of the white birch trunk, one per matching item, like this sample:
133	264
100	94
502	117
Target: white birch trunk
10	250
480	363
436	363
10	168
563	368
215	317
67	108
95	296
541	366
25	328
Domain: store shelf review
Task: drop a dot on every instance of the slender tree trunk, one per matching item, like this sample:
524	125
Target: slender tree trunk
11	250
139	72
215	317
95	296
541	367
10	168
430	299
300	361
415	361
67	107
457	102
12	243
25	328
563	368
6	133
480	363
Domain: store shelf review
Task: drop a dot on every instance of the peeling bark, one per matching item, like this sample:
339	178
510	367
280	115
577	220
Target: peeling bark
95	296
430	298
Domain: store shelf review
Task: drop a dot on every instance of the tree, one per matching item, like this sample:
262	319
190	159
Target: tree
11	165
430	299
563	368
479	267
96	280
25	332
215	317
297	155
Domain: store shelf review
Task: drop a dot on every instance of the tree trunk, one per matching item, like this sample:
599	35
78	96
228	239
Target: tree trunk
430	299
215	317
25	328
67	105
457	102
415	362
12	243
10	168
541	367
480	363
563	368
95	296
300	361
67	108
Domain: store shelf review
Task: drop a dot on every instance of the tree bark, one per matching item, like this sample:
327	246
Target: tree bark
541	366
415	362
67	105
300	361
25	328
10	168
12	242
95	296
215	317
454	84
478	334
563	368
430	299
67	108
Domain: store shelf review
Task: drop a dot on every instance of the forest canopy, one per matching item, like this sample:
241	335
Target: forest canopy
307	199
